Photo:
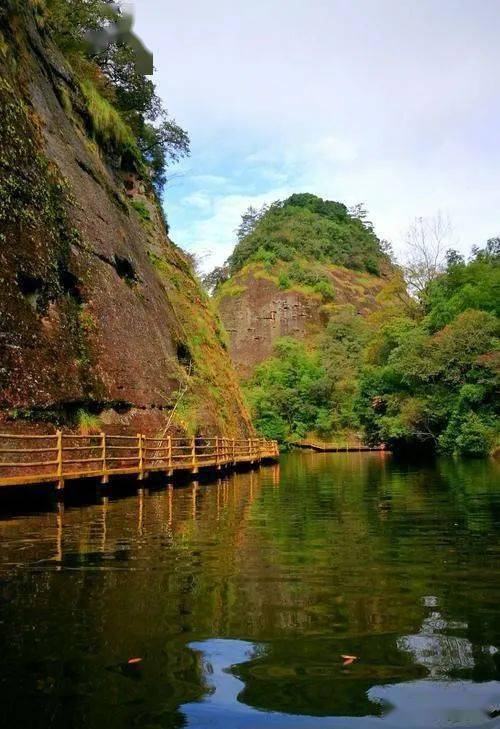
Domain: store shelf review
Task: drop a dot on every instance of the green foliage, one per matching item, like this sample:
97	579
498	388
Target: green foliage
434	382
286	392
299	390
307	275
475	437
88	422
410	383
108	126
308	227
473	285
126	113
142	210
435	390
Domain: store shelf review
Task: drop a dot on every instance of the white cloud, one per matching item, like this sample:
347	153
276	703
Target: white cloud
391	103
200	200
214	236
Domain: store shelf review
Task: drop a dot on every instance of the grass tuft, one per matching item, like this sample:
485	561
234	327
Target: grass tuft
107	125
88	423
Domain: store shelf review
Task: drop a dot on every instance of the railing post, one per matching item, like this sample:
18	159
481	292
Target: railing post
140	457
60	479
217	451
194	467
233	450
104	477
169	454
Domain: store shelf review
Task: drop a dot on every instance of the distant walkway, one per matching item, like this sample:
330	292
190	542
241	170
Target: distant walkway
336	448
34	459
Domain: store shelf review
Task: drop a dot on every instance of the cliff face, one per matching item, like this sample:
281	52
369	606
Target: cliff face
100	311
256	311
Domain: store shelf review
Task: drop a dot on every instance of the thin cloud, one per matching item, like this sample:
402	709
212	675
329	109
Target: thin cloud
392	104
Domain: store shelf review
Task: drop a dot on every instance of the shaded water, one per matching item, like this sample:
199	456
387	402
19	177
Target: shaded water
242	596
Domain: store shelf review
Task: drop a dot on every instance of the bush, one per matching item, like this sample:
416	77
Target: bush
325	289
475	438
283	281
142	210
88	423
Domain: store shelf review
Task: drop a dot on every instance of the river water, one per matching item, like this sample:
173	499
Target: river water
241	597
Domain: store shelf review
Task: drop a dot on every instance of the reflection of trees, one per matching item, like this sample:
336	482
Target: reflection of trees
334	559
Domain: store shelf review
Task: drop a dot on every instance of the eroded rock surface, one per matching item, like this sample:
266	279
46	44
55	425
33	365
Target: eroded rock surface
96	302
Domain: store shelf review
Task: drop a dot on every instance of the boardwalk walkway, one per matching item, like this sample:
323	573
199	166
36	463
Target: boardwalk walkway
33	459
336	448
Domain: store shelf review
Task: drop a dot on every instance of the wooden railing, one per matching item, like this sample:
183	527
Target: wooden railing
337	447
29	459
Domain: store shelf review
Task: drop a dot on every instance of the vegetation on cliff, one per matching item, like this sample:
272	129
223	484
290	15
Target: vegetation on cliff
103	324
417	371
301	389
124	112
315	229
299	234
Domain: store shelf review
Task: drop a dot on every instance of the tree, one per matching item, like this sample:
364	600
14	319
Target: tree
359	212
427	240
98	40
212	280
249	220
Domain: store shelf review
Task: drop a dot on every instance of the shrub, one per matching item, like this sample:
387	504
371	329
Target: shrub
283	281
142	210
325	289
475	438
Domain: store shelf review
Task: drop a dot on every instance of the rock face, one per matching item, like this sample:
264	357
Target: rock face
99	310
256	311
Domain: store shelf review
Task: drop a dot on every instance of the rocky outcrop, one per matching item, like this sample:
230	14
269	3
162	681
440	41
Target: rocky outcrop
100	311
256	311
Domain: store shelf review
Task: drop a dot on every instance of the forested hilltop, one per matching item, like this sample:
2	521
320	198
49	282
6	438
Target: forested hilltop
103	324
340	349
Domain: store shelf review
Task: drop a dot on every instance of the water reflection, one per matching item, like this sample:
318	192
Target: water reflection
423	704
275	573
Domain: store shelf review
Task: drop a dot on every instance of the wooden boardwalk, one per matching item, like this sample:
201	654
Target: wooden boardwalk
334	448
34	459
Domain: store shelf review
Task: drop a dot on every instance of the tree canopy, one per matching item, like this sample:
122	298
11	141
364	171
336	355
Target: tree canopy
433	382
307	226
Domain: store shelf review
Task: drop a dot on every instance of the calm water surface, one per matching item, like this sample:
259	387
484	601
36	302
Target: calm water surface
242	596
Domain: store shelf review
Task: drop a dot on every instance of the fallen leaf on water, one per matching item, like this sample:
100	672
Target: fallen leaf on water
348	660
131	661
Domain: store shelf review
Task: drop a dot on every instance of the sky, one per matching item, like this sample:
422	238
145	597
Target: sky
391	103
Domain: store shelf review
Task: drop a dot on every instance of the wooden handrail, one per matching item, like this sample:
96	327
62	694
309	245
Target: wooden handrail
107	455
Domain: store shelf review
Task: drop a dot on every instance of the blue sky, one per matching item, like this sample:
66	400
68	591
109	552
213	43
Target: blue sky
392	103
